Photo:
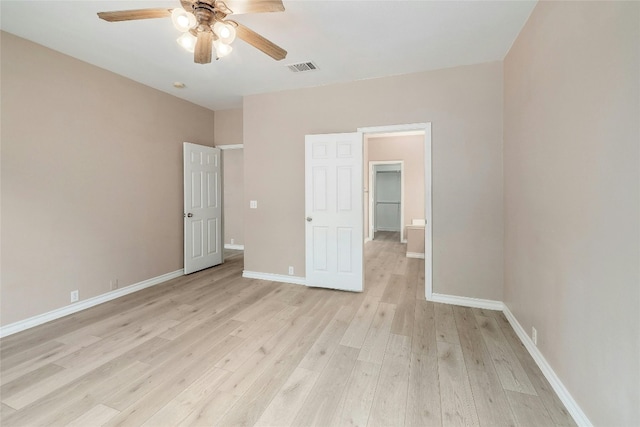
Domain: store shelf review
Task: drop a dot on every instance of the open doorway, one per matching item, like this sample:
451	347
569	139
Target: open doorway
386	204
336	224
386	147
233	193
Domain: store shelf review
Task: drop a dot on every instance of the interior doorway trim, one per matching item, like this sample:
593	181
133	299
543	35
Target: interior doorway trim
372	197
428	229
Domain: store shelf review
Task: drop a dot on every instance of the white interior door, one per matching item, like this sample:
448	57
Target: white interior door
333	202
202	207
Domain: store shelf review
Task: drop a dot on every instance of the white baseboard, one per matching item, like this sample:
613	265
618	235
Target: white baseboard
415	255
296	280
403	241
39	319
236	247
572	406
367	239
487	304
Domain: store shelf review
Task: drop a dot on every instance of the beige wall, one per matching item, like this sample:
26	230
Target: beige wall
410	150
233	165
572	209
91	178
465	106
228	131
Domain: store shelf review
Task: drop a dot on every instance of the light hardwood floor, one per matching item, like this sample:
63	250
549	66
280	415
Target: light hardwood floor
213	348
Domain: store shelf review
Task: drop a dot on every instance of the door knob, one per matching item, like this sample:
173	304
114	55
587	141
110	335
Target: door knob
309	219
189	215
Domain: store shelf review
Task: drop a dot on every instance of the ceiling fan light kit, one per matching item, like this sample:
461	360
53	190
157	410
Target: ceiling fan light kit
205	27
187	41
183	20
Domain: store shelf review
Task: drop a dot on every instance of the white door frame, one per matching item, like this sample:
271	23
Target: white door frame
372	193
428	229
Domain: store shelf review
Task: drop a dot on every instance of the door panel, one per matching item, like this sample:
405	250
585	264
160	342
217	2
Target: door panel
333	201
202	207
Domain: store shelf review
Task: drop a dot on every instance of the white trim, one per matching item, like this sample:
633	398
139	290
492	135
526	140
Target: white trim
372	195
367	239
428	229
572	406
39	319
395	128
487	304
230	147
404	241
296	280
415	255
236	247
392	134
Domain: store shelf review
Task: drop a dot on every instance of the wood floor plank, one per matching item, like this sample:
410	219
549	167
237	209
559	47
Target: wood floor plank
244	377
423	397
46	358
96	416
403	319
260	394
529	410
29	380
377	278
490	400
511	373
395	288
260	311
401	265
214	348
424	331
210	409
66	403
143	401
178	408
357	331
29	354
5	411
559	414
289	400
85	363
177	370
445	324
375	343
355	405
390	400
322	350
458	408
239	355
118	343
405	309
320	406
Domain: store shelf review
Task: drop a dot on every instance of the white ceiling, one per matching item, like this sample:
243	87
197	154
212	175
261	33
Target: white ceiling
348	40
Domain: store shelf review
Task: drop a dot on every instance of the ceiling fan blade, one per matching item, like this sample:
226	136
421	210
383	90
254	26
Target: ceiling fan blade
254	6
187	5
259	42
131	15
204	46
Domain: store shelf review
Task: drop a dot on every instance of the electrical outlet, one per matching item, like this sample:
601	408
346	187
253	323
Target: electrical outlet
534	336
232	241
253	204
291	270
75	296
114	284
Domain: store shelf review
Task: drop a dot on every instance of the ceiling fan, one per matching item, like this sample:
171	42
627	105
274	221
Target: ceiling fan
205	25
